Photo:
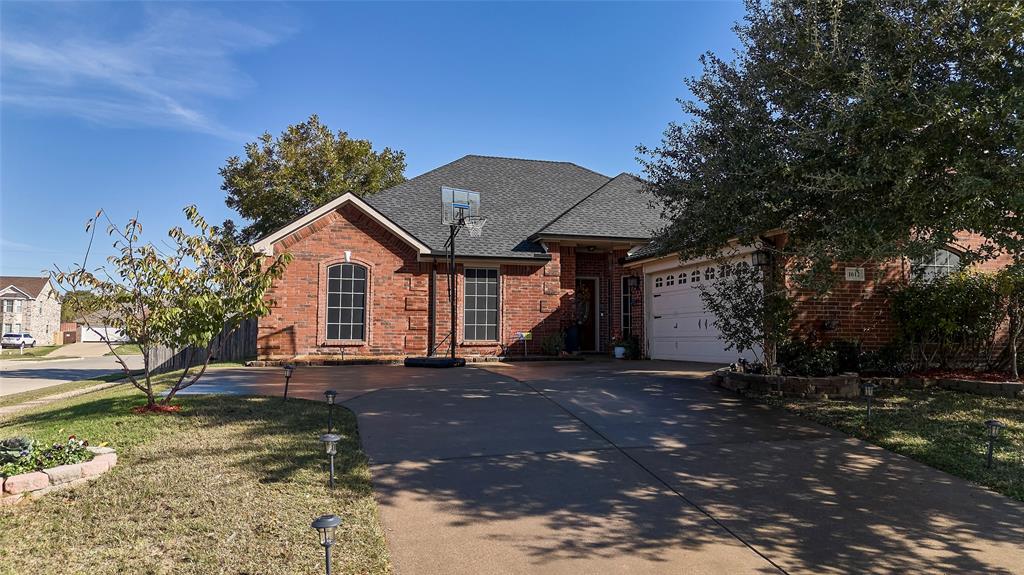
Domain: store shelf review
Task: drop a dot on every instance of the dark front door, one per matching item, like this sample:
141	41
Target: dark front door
586	313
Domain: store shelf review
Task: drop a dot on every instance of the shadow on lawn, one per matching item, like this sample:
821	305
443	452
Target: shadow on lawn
272	439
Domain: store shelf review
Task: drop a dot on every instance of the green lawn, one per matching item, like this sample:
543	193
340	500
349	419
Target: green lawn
126	349
228	485
30	352
944	429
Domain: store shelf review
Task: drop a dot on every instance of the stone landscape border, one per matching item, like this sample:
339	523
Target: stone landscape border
35	484
848	386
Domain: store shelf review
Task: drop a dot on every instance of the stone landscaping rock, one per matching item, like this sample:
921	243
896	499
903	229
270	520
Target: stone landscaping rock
95	467
64	473
100	450
26	482
109	458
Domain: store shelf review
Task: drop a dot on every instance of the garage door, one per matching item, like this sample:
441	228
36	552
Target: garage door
680	328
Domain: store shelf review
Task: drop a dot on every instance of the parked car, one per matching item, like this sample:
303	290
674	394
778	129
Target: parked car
17	340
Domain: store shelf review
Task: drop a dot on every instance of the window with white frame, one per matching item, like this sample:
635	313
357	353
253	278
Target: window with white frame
937	265
627	307
8	328
346	302
481	308
12	305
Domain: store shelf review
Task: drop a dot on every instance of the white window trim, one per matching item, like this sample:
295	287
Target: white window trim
500	299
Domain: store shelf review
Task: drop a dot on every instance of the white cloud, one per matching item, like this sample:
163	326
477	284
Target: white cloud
164	73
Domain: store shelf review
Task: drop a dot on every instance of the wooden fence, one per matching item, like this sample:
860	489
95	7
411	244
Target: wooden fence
236	346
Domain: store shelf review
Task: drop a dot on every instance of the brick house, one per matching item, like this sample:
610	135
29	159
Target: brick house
565	250
369	276
30	305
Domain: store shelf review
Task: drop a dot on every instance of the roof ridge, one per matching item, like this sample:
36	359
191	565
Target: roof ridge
535	160
572	207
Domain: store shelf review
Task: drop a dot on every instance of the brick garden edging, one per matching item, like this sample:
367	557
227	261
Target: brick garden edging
35	484
848	386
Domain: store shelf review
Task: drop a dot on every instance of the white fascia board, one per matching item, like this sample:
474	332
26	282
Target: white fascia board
672	260
266	245
6	290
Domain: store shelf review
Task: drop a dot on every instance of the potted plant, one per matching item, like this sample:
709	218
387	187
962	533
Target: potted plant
619	345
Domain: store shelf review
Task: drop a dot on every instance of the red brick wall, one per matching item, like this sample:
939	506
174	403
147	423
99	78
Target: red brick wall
532	297
860	311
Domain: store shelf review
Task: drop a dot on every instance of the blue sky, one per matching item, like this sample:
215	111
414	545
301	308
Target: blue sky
134	107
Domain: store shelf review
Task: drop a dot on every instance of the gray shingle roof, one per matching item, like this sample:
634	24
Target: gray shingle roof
619	209
518	197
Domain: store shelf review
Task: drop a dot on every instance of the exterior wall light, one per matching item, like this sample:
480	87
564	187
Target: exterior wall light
288	369
330	441
993	425
330	394
325	526
761	259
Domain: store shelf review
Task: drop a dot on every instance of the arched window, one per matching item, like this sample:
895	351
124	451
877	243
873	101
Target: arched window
346	301
939	264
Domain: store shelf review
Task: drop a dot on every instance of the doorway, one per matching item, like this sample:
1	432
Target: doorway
587	313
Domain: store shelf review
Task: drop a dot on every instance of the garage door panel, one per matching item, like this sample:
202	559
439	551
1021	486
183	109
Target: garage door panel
681	328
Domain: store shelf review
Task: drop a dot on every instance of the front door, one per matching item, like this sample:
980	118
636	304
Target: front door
587	313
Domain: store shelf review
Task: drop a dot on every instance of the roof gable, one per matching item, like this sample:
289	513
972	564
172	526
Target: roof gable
31	286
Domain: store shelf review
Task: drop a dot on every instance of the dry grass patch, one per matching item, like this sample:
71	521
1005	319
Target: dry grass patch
228	485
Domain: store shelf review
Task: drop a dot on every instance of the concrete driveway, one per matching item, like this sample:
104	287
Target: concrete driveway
641	467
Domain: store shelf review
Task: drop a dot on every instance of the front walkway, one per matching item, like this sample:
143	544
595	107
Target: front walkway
640	467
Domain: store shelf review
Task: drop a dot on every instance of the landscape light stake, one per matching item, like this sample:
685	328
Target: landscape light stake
325	526
993	425
869	392
330	441
288	369
330	394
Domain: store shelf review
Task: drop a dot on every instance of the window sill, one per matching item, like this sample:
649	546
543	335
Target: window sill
343	343
480	343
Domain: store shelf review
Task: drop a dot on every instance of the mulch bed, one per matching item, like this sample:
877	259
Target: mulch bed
962	374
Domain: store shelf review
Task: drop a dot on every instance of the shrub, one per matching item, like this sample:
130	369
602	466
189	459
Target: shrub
798	357
949	320
23	455
553	344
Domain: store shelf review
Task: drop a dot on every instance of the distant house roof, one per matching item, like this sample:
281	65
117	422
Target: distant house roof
30	286
618	209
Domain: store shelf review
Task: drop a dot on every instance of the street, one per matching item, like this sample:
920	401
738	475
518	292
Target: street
18	376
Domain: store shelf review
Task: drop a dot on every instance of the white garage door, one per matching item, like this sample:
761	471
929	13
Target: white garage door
102	333
680	328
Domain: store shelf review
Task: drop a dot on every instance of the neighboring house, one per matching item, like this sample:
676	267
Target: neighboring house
93	328
30	305
368	276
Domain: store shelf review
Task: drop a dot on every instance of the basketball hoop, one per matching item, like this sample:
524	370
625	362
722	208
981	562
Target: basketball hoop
474	225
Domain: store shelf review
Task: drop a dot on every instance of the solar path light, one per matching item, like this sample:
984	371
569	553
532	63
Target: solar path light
869	392
288	369
325	526
330	394
330	441
993	425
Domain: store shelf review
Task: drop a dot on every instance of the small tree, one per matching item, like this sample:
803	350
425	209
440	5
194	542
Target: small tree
751	311
208	285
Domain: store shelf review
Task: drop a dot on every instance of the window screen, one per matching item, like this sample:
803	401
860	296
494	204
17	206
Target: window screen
481	319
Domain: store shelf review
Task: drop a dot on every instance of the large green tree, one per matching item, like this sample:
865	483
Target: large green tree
308	165
864	128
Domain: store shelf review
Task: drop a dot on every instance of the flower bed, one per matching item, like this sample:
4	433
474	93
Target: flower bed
849	386
30	470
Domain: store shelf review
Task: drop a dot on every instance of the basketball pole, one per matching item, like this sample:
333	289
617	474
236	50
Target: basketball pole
452	297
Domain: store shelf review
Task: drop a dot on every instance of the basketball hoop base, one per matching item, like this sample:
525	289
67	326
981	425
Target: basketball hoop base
436	362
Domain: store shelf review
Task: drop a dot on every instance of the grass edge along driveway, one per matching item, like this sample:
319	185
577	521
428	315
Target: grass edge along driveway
940	428
229	484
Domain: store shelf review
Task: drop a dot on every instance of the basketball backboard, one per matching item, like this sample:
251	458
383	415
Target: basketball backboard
458	204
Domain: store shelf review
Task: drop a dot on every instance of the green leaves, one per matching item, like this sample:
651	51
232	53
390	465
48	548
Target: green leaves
305	167
866	130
